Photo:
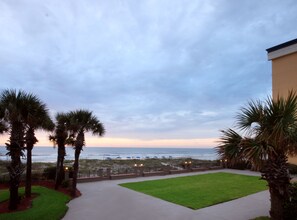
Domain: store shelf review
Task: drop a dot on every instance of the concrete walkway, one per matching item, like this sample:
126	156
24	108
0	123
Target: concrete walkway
106	200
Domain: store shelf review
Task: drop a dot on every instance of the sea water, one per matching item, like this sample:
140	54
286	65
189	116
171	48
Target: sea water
49	154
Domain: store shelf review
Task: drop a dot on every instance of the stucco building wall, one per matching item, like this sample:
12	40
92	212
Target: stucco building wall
284	71
284	75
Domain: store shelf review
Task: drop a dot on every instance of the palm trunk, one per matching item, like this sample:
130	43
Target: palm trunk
278	178
57	171
15	169
60	166
75	170
79	143
277	205
14	195
29	172
30	141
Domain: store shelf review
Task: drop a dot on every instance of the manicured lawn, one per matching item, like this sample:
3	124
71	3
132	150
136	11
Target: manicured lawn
200	191
48	205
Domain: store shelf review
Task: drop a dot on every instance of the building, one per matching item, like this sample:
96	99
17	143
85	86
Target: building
284	71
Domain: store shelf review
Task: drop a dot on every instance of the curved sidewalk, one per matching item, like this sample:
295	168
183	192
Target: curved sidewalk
106	200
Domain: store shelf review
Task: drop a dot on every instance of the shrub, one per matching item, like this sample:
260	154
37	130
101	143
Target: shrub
65	183
241	165
291	204
49	173
4	178
292	168
36	176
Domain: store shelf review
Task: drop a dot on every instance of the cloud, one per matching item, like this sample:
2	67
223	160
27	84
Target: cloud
147	69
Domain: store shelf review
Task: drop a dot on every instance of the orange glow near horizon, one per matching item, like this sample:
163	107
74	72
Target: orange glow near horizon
126	142
129	142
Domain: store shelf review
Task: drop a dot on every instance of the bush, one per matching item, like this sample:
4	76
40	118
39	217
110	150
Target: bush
37	176
4	178
240	166
65	183
291	204
292	168
49	173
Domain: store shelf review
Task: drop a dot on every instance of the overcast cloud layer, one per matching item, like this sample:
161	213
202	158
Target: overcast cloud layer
176	69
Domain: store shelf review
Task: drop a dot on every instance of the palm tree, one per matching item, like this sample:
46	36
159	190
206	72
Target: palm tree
230	149
82	121
59	138
38	118
14	111
271	135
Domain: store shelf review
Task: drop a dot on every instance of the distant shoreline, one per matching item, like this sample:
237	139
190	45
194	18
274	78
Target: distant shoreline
49	154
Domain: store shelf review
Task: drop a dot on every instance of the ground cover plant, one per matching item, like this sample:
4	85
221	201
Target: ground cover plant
47	205
200	191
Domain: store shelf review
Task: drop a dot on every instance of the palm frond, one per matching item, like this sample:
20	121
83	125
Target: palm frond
250	117
229	147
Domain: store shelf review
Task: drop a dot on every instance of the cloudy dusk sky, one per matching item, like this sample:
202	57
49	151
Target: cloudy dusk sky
160	73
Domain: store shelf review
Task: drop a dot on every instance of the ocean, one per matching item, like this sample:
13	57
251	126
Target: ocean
49	154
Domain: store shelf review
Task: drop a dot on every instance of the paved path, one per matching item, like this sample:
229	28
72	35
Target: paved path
106	200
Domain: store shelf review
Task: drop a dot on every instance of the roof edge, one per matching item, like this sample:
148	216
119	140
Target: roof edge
283	45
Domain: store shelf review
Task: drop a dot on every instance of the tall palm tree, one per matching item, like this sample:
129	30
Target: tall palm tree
38	118
59	138
271	135
82	121
14	111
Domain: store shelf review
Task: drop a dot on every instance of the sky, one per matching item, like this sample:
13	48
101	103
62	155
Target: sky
168	73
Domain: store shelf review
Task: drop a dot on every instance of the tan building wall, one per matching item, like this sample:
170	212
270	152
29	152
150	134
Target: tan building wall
293	160
284	71
284	75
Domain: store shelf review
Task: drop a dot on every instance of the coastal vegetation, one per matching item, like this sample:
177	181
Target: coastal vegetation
80	122
200	191
21	114
70	129
90	167
38	118
59	138
269	135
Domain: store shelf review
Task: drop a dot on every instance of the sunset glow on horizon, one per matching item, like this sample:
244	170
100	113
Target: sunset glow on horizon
92	141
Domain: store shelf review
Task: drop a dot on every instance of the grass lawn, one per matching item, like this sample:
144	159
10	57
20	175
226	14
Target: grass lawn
200	191
48	205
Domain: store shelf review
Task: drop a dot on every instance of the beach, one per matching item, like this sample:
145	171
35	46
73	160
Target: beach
93	167
94	160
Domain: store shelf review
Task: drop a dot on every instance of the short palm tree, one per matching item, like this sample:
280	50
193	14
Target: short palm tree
271	135
82	121
59	138
15	108
38	118
230	147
